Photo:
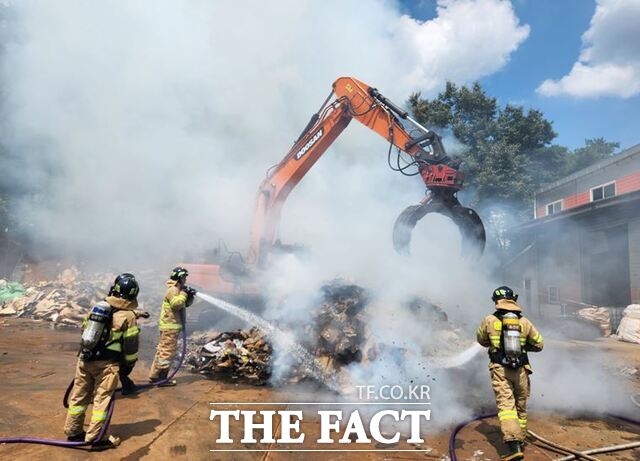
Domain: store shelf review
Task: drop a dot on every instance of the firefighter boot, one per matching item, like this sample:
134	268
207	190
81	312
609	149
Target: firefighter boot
162	375
77	437
128	386
112	442
161	380
515	452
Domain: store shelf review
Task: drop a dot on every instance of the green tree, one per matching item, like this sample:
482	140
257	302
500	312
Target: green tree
468	112
530	131
547	164
507	152
593	151
499	174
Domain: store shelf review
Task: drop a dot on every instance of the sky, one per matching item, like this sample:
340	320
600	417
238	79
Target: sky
555	43
144	129
185	105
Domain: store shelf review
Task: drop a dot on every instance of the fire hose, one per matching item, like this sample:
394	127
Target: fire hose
572	453
105	426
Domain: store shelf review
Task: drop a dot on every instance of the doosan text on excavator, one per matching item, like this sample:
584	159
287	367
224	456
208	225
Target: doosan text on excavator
349	99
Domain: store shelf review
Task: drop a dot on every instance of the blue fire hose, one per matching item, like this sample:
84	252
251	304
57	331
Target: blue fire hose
459	427
103	431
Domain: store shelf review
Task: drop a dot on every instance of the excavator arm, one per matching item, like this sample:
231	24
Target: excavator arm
353	99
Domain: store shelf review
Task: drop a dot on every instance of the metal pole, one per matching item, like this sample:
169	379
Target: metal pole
418	125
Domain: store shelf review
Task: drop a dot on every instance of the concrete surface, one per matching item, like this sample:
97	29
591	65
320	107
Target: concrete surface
37	362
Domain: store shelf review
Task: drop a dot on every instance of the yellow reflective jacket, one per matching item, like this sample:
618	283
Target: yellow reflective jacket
124	338
174	300
490	330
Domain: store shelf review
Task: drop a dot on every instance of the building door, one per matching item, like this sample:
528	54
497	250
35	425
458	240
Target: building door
608	254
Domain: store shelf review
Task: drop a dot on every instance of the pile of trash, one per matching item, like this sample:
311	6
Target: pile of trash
241	354
64	300
10	290
336	331
598	316
336	334
441	337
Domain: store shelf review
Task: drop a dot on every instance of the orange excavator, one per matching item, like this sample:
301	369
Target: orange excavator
349	99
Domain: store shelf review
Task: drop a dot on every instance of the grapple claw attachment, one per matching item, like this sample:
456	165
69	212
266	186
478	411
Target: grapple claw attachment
467	220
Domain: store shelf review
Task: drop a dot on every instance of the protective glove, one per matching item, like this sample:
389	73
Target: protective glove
191	293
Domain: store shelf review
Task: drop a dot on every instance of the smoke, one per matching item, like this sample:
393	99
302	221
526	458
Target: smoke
574	380
573	377
143	126
142	129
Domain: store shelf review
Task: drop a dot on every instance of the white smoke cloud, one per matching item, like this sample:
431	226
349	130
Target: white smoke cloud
149	124
609	64
146	127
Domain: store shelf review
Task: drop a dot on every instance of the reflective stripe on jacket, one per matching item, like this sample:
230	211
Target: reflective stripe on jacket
174	300
125	334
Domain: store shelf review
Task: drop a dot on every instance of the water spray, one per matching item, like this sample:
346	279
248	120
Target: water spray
459	359
285	340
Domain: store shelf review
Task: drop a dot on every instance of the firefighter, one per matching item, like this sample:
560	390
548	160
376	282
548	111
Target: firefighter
177	297
509	336
128	386
110	337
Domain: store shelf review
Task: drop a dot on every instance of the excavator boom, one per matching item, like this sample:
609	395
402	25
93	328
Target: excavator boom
352	99
356	100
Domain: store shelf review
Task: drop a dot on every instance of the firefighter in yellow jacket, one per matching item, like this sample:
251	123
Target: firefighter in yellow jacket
178	297
509	336
110	339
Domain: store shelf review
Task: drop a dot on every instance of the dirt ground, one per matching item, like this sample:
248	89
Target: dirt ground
37	363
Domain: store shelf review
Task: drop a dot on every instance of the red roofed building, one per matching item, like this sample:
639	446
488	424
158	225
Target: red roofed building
583	245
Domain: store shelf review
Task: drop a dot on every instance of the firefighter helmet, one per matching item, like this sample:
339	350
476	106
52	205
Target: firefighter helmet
125	286
179	273
503	292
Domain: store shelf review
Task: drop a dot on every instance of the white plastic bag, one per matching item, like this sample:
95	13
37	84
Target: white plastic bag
633	311
629	328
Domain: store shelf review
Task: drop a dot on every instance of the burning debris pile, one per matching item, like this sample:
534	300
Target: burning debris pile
240	354
335	336
444	339
336	333
64	300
